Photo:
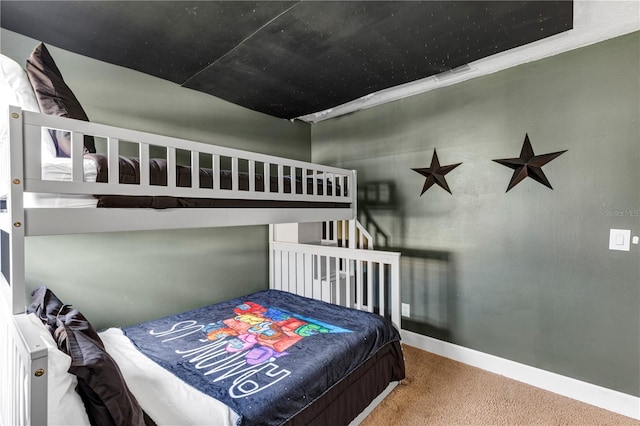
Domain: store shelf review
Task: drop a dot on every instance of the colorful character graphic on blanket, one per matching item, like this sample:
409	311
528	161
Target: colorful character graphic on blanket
267	331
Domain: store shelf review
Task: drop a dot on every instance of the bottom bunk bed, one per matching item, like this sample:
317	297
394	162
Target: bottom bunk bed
268	358
317	348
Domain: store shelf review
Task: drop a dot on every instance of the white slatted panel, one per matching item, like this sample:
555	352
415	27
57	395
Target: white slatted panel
23	365
33	124
340	275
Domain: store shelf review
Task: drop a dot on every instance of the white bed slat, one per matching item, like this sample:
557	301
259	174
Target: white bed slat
234	174
300	273
143	149
195	169
347	281
252	175
324	183
171	167
326	287
77	152
285	271
317	277
280	179
381	288
113	151
304	181
337	278
215	167
314	176
291	273
277	270
266	177
308	275
370	304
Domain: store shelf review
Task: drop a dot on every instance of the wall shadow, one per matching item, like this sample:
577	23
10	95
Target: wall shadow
428	277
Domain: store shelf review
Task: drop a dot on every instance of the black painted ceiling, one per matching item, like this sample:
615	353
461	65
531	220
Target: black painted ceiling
288	59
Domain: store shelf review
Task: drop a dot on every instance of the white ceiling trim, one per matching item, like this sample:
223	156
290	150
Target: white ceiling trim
594	21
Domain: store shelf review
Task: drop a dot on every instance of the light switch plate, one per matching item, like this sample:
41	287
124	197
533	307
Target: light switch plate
619	239
406	310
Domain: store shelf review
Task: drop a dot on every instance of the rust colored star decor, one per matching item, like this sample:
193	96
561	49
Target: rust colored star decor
435	174
528	164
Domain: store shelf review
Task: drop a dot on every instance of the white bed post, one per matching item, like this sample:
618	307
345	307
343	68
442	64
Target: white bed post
13	221
23	356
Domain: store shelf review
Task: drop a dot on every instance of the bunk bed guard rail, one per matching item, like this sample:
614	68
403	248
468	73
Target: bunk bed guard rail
176	150
357	278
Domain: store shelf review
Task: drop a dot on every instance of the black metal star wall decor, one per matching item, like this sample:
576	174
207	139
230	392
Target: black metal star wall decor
435	174
528	164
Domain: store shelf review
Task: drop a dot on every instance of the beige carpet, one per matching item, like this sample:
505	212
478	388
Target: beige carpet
439	391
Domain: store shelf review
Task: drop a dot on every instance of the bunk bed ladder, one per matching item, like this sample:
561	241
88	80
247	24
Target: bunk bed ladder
346	233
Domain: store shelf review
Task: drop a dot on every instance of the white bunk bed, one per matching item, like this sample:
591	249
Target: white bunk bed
339	268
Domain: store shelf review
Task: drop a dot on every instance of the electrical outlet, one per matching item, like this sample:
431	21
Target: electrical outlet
406	310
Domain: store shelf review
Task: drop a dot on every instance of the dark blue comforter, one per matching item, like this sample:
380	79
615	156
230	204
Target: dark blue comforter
267	355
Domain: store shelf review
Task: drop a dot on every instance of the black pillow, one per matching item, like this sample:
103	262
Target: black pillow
55	98
46	306
105	394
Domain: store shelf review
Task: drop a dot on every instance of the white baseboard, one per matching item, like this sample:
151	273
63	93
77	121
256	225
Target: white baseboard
611	400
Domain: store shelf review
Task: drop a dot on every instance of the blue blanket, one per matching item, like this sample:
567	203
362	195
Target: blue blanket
267	355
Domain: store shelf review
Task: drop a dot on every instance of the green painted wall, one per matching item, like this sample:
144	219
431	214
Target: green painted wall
142	275
525	275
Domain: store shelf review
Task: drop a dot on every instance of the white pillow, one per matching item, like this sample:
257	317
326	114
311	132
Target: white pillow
64	405
15	89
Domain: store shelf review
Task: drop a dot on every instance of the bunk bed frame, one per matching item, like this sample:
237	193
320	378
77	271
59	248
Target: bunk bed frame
341	268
